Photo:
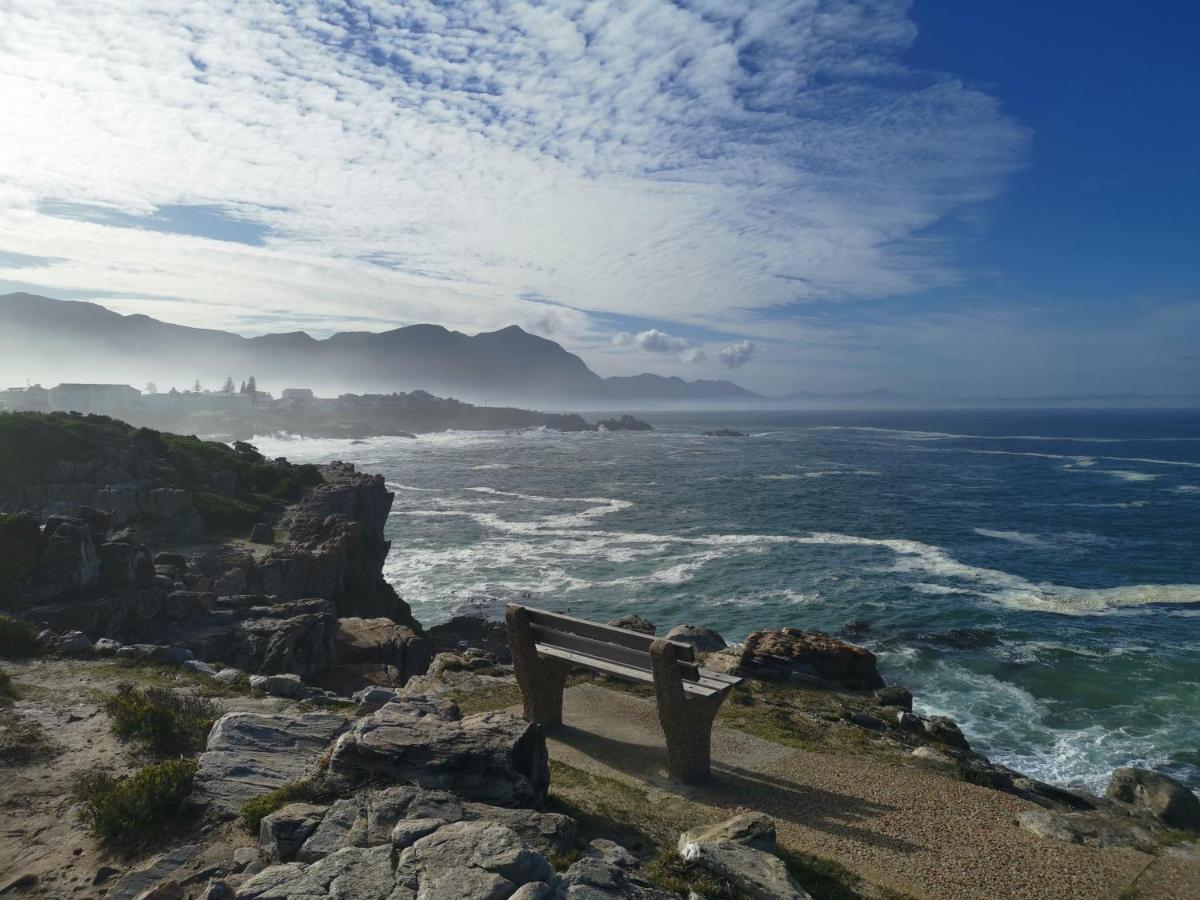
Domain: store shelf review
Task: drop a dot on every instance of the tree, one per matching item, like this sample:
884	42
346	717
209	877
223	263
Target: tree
227	388
242	389
151	388
196	387
251	386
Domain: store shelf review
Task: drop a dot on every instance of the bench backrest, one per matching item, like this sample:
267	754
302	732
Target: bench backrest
605	642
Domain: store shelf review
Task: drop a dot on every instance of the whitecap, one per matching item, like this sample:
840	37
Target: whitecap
1015	537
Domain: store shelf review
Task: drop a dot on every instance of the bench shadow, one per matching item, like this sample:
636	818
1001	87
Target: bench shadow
731	786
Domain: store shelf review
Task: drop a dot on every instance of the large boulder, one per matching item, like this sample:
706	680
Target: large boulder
741	851
703	639
251	754
633	622
471	859
493	757
125	565
789	654
1171	801
69	558
380	642
283	832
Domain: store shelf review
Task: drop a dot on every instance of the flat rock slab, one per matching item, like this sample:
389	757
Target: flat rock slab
251	754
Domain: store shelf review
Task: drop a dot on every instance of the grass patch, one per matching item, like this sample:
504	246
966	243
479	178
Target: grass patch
126	813
823	878
674	874
254	811
497	697
21	741
166	723
17	639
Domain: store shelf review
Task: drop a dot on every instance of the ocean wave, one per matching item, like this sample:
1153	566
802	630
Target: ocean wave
1014	537
1073	459
1187	488
911	434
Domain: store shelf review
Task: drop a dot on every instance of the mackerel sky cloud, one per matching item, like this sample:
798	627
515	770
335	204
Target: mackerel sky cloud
700	168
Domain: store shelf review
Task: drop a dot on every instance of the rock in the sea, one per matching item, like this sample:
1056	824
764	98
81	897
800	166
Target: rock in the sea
251	754
282	833
741	851
493	757
944	730
789	654
1171	801
895	696
632	622
703	639
262	533
624	423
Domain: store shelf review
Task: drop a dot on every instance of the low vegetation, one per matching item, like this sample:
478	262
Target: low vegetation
126	813
165	722
8	691
673	873
18	639
304	791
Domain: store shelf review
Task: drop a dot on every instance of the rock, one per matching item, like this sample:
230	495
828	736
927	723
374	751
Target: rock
370	699
69	559
935	758
352	873
369	818
484	854
492	757
262	533
230	675
171	656
1089	828
966	638
251	754
895	696
124	565
857	627
164	890
612	853
175	561
1171	802
790	654
631	622
243	856
625	423
200	668
723	432
158	870
283	832
944	730
535	890
75	643
703	639
598	879
381	641
865	720
106	647
408	831
741	852
217	890
289	686
548	833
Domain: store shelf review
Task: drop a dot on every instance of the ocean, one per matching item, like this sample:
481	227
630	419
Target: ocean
1033	575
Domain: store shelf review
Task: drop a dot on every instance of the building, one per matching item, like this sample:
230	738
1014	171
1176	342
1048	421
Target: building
34	398
94	398
297	395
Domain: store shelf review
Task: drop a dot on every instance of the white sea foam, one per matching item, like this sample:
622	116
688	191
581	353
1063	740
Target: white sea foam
786	476
1015	537
1187	489
910	434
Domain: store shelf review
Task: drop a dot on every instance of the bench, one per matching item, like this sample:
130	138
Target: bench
546	646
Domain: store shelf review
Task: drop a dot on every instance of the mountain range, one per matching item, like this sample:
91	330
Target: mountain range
64	340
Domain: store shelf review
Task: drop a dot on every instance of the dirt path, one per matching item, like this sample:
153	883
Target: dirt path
913	831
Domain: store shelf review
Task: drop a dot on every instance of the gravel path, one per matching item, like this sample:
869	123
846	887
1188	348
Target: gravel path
897	826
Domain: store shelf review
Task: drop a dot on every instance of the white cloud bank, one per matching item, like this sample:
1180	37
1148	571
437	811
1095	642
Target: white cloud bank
689	162
736	355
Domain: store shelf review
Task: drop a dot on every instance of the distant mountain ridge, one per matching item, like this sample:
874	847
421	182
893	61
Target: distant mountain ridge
80	341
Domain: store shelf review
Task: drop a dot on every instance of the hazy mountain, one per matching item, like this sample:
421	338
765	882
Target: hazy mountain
57	340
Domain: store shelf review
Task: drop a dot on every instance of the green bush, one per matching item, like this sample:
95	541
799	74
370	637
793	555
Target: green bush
128	812
164	722
7	691
222	513
254	811
17	638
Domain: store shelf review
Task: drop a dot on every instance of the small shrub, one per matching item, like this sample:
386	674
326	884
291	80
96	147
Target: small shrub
674	874
17	638
165	722
287	489
128	812
222	513
7	690
254	811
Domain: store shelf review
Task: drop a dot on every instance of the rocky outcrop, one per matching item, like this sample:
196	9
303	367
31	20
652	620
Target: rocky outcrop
624	423
378	651
807	657
251	754
1171	802
703	639
493	757
633	622
742	851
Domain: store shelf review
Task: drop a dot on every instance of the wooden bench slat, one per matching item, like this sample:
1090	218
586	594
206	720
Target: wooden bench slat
617	670
605	650
622	637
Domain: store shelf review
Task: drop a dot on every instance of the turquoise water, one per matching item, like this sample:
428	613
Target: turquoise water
1066	543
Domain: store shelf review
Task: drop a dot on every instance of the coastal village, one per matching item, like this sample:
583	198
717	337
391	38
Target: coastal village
210	691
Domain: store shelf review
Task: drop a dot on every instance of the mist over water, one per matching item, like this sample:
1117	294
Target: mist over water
1033	575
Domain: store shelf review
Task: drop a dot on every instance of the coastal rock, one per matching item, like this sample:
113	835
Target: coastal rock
380	642
1089	828
789	654
741	851
724	432
75	643
69	558
594	878
251	754
350	873
899	697
1171	802
262	533
493	757
480	854
703	639
281	833
944	730
624	423
124	565
632	622
462	631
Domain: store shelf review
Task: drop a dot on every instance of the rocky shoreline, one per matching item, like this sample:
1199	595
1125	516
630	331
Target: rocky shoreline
380	756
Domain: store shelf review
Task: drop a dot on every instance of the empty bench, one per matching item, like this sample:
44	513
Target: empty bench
545	646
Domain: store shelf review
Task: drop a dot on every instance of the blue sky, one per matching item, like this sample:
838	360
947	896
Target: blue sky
979	199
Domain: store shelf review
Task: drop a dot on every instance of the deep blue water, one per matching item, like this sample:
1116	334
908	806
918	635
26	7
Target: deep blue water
1069	541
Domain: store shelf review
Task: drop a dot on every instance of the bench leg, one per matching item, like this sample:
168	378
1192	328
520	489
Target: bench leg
686	723
541	680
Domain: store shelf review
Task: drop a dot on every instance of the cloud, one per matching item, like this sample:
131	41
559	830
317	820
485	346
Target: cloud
655	341
736	354
696	161
693	355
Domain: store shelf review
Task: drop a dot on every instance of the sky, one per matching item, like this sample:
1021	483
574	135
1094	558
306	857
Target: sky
984	199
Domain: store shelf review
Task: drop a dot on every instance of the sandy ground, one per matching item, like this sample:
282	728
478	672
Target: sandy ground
44	850
900	827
